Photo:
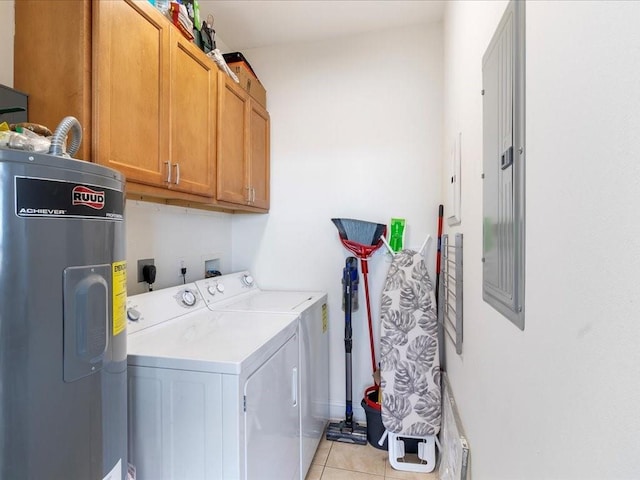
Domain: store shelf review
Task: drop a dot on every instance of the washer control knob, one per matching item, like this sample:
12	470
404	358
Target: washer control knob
211	289
247	280
188	298
133	314
220	287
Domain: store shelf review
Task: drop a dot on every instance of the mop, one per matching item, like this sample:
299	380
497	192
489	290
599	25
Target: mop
347	430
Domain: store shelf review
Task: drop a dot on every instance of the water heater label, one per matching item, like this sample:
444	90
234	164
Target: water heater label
45	197
119	275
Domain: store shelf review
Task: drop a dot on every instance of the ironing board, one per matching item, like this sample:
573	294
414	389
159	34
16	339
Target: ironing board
410	362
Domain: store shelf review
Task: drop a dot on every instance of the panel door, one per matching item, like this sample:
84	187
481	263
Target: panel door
497	187
272	421
174	424
56	74
193	118
503	167
131	91
232	165
259	155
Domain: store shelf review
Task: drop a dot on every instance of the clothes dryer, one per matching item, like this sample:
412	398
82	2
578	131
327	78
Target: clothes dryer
239	292
212	395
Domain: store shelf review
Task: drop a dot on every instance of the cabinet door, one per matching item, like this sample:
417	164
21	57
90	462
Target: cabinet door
232	165
56	74
272	422
193	118
131	91
259	155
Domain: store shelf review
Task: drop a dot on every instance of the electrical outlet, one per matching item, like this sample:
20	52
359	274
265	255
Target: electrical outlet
211	266
141	264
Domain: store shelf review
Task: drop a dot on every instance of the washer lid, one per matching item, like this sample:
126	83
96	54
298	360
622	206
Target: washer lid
218	342
230	292
273	301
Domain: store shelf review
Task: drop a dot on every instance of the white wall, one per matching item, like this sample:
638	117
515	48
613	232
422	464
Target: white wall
559	400
7	29
356	133
172	235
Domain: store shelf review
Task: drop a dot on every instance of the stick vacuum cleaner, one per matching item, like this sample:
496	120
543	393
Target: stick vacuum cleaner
347	430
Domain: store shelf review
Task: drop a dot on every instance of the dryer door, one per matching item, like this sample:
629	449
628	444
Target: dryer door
272	422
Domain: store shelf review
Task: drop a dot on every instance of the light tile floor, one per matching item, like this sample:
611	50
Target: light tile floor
344	461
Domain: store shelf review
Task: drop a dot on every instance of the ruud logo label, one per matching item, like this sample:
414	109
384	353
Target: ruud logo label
85	196
54	198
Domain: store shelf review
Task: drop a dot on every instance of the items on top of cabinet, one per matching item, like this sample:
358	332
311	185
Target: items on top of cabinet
217	57
237	57
207	35
162	5
247	77
184	14
181	20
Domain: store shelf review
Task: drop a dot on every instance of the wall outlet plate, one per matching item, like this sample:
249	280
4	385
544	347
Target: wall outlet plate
141	264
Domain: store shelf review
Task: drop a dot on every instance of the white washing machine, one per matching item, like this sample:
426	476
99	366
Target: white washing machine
239	292
212	395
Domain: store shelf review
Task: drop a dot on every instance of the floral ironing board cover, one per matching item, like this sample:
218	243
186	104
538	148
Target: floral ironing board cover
410	362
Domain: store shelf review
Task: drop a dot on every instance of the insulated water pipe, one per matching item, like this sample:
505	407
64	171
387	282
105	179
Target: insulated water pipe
59	136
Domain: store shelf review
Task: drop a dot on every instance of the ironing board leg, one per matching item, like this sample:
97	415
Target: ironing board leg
426	453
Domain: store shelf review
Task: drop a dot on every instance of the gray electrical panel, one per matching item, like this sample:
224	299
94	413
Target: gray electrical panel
503	166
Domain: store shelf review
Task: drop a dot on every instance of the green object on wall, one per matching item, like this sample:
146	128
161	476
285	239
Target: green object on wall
396	239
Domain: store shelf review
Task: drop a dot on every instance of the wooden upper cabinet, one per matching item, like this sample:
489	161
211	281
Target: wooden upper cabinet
56	73
131	90
233	168
243	147
193	118
155	100
151	104
259	155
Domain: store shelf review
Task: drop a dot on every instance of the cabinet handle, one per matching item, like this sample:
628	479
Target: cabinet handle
248	195
168	164
177	165
253	195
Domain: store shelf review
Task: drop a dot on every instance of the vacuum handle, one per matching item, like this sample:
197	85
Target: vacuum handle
347	298
350	283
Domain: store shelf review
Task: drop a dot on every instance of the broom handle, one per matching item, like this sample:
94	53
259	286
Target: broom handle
439	254
442	350
365	271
